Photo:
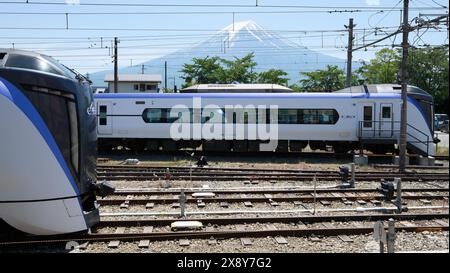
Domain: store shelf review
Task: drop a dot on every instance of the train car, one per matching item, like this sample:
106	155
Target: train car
48	146
367	116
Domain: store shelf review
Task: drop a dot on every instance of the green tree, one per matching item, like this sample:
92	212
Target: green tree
296	87
240	70
203	70
273	76
330	79
428	69
382	69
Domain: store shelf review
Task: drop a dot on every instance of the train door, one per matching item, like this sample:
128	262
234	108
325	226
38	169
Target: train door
104	125
367	125
386	124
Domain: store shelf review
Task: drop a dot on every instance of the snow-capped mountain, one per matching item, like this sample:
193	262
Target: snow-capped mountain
237	40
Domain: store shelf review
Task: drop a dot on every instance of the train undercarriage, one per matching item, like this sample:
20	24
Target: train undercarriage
240	146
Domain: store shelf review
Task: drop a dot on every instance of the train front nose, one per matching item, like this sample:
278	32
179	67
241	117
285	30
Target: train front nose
38	194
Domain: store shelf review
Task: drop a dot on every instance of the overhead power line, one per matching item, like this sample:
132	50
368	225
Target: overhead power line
129	4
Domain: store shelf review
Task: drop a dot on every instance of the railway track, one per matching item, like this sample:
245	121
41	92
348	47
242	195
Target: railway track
249	196
330	226
142	173
325	155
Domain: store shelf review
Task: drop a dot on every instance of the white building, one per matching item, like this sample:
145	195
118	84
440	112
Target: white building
134	83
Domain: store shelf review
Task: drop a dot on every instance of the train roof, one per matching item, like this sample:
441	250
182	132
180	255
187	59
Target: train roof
236	88
311	95
387	88
23	59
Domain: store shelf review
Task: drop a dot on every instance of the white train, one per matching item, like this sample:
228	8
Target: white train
48	146
367	116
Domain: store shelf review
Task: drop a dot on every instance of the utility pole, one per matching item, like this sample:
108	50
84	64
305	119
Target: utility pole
165	75
116	77
143	68
350	27
404	83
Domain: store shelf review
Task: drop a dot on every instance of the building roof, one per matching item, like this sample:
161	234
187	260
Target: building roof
236	88
134	78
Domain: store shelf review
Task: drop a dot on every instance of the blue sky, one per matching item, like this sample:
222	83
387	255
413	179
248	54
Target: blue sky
81	48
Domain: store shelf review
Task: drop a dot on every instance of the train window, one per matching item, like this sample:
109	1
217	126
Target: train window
2	55
386	112
287	116
72	109
61	117
29	62
142	87
308	116
136	87
368	116
103	115
152	115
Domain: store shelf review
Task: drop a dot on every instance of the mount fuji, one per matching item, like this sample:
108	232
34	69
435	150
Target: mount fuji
271	50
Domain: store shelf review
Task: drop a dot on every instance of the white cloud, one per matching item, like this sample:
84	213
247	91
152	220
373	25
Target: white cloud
373	2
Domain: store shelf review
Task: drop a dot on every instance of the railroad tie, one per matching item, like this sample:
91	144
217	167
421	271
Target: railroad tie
268	196
244	241
248	204
149	205
345	238
425	201
441	223
375	202
406	224
175	205
361	202
145	243
281	240
325	203
270	227
116	243
224	204
274	204
184	242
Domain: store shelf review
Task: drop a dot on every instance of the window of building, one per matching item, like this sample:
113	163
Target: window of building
151	87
